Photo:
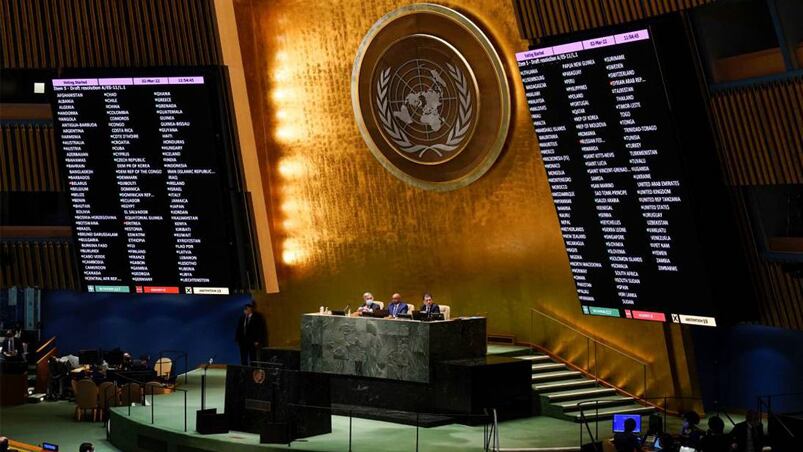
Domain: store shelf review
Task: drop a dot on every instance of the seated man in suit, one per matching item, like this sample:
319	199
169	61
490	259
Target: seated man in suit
627	441
748	436
429	307
396	306
368	304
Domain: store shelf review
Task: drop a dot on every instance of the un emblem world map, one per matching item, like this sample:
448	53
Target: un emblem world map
425	105
430	96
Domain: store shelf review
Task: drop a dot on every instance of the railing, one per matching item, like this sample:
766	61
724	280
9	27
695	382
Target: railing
174	356
591	408
765	402
559	339
489	420
142	398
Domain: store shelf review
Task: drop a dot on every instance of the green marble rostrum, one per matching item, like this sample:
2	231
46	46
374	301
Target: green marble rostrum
405	350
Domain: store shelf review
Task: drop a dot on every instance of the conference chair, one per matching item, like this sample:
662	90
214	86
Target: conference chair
445	311
410	308
107	397
163	368
86	398
381	305
130	393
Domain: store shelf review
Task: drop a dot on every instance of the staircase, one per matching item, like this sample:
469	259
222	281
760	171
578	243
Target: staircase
559	390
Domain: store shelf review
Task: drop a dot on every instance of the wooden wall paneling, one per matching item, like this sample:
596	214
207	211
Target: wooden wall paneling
53	249
540	18
547	26
28	29
762	132
55	276
19	158
12	264
5	171
573	17
4	257
5	39
560	10
141	16
23	46
612	12
48	279
165	32
28	160
47	264
38	142
91	33
735	131
759	128
211	43
778	138
72	270
27	265
789	113
748	141
535	19
521	18
93	28
40	267
37	175
5	263
51	150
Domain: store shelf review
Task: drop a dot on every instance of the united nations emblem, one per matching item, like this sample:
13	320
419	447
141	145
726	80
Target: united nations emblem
258	375
426	104
416	97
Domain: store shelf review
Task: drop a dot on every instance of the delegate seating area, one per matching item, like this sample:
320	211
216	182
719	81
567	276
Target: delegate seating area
95	390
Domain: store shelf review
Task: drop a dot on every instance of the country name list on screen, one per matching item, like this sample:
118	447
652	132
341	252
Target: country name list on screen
143	177
607	141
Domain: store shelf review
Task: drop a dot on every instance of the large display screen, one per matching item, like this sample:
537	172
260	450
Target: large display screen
621	179
149	179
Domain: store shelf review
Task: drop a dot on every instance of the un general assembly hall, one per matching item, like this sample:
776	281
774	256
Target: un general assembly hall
401	226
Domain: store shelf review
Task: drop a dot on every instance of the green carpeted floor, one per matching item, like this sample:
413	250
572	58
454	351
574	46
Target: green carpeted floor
366	434
52	422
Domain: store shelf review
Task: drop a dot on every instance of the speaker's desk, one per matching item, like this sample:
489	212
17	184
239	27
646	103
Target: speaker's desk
395	349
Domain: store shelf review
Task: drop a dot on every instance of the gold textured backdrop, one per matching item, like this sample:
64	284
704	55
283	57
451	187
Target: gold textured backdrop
343	225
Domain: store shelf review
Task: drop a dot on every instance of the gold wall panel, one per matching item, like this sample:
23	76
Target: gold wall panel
343	225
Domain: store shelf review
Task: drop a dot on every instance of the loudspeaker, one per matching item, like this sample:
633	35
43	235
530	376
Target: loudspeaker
208	422
275	432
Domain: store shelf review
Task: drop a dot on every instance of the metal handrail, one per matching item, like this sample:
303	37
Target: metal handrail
770	414
179	354
589	337
143	384
584	421
491	437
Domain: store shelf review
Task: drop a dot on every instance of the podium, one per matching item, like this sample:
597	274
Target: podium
280	405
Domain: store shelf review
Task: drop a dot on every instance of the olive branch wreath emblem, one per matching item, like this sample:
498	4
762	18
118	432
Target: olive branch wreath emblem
456	135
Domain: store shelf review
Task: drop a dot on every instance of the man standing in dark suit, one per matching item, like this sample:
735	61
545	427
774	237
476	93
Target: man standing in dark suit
250	334
429	307
748	436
